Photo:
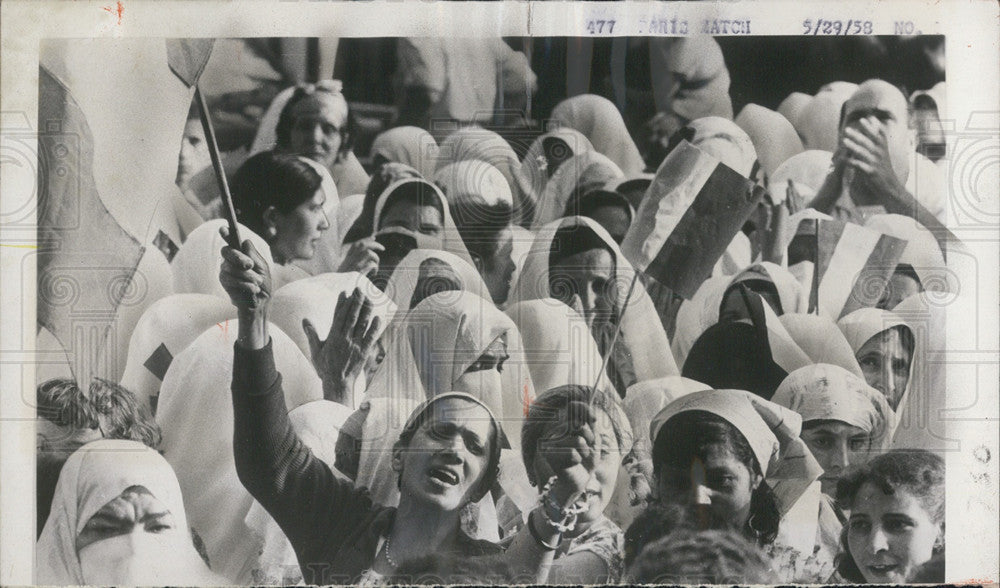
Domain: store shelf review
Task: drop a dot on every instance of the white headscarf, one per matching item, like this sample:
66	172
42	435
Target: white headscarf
792	106
922	251
534	166
171	323
475	143
819	122
601	122
774	138
818	336
473	182
195	413
588	169
823	392
410	145
772	431
642	335
408	275
558	346
806	170
726	141
196	265
93	476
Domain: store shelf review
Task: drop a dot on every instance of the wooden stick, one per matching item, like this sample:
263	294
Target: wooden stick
220	173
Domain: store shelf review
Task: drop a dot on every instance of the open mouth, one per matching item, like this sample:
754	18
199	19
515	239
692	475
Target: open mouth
444	476
883	569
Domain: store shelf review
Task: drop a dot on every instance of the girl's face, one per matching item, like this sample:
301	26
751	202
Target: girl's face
836	446
584	281
607	462
889	536
124	540
298	231
720	484
885	362
445	460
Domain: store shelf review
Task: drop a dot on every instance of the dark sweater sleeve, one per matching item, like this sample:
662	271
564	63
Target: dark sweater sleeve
312	506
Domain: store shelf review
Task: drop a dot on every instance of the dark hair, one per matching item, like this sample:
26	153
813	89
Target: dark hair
271	179
419	193
763	288
917	471
543	417
575	238
434	276
283	131
121	415
689	434
480	225
905	269
492	469
710	556
61	402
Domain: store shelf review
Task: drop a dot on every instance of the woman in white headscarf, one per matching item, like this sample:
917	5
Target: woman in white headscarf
548	152
726	141
820	338
410	145
601	122
195	414
290	126
920	268
774	138
575	261
579	174
844	423
427	271
819	122
806	171
118	518
196	266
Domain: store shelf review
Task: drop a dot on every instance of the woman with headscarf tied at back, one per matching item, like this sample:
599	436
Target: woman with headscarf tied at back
600	121
575	261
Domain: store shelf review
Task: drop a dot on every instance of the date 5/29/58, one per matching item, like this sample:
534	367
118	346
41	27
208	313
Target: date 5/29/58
822	26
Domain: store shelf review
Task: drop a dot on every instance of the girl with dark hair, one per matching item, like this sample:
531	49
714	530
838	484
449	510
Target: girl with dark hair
280	197
896	523
732	457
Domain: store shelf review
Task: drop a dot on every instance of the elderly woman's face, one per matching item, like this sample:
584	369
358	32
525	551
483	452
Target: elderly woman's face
122	542
447	457
720	484
889	536
318	121
885	362
298	231
584	281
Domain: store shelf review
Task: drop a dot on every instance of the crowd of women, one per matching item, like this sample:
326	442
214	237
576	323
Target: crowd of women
450	371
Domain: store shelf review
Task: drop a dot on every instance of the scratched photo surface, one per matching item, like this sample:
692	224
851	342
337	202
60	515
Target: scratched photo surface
670	307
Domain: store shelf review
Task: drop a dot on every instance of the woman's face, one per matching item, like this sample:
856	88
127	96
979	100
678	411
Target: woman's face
885	362
608	459
298	231
409	215
584	281
889	536
720	484
447	456
316	130
835	445
482	377
124	540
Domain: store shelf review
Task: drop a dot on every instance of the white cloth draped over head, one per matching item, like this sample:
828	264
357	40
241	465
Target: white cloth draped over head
93	476
414	270
820	338
641	330
774	138
823	392
736	257
806	170
534	166
601	122
726	141
819	122
922	251
788	288
772	431
586	171
433	345
410	145
317	425
195	413
476	143
646	399
450	238
792	106
171	323
196	265
863	324
315	298
348	212
328	254
473	182
347	171
558	346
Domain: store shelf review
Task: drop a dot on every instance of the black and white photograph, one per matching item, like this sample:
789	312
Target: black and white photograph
665	298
